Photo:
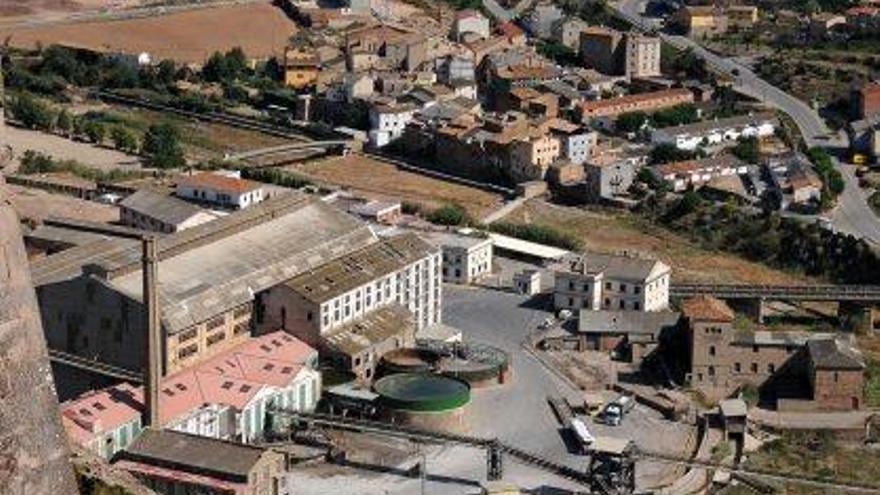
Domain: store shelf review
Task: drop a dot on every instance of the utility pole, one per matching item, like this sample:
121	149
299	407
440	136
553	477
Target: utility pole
152	324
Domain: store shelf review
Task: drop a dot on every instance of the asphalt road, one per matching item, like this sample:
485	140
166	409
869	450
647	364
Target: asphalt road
852	214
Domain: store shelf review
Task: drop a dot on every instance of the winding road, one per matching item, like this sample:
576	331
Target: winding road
852	215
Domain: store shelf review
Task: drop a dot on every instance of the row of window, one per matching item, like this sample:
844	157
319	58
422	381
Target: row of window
606	304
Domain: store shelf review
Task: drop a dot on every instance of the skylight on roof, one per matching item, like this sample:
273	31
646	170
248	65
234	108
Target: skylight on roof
268	366
245	389
226	385
99	406
168	392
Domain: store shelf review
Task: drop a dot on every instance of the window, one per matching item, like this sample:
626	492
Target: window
754	367
636	305
637	289
217	337
711	350
215	322
737	367
570	302
771	368
836	377
622	287
571	285
188	351
711	371
188	335
608	285
241	327
755	348
622	304
309	316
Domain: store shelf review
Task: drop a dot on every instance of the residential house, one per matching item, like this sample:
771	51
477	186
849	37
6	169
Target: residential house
568	31
793	180
543	18
387	122
217	189
577	143
822	23
602	49
695	173
171	463
866	100
601	281
702	21
385	47
741	16
608	176
146	209
718	132
470	21
302	64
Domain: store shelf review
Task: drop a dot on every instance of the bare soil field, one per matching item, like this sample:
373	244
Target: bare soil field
191	36
376	179
617	231
36	204
62	148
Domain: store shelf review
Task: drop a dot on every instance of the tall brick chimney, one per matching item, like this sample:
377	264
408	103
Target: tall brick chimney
153	326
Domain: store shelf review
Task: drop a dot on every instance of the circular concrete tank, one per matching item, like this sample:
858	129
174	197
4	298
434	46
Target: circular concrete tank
424	400
408	360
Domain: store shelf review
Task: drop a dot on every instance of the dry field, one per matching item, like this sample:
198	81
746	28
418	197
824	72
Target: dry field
377	179
36	204
260	29
617	231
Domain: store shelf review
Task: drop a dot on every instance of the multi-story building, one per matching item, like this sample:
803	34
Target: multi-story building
602	49
700	21
608	176
455	69
387	122
157	212
225	397
466	258
172	463
470	21
226	191
642	56
611	108
330	300
719	132
599	281
91	295
866	100
723	360
302	66
531	156
577	143
385	47
568	32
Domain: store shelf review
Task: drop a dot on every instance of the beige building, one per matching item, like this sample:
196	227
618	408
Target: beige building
531	157
599	281
466	259
642	56
742	16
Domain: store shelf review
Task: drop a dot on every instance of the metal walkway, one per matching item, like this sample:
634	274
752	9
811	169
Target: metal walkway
82	363
849	293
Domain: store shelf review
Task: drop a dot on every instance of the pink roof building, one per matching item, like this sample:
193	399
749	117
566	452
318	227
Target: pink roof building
238	382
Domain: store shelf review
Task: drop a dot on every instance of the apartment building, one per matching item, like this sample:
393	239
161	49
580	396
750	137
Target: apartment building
695	173
543	18
611	108
568	32
90	296
602	49
701	21
601	281
718	132
333	299
219	189
531	156
722	360
642	56
156	212
608	176
172	463
577	144
225	398
466	258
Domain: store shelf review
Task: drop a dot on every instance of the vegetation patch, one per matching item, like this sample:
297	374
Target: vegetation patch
542	234
33	162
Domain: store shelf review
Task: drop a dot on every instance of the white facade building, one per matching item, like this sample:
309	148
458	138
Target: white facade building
465	258
716	132
387	123
220	190
607	282
470	21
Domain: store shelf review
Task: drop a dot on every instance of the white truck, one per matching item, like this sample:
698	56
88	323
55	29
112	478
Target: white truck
582	435
616	410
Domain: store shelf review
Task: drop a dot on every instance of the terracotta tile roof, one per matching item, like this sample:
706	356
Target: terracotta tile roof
98	411
624	101
510	30
218	182
707	308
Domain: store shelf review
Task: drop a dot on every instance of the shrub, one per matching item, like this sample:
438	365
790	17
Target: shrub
275	176
542	234
450	214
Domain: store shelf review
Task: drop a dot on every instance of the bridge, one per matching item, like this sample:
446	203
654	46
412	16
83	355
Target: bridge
827	292
93	366
342	144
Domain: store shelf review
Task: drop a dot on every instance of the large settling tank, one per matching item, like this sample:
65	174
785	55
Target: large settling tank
424	400
408	360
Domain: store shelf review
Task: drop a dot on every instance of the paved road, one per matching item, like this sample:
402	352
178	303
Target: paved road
852	214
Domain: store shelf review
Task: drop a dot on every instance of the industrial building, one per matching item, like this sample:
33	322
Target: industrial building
209	277
466	258
158	212
601	281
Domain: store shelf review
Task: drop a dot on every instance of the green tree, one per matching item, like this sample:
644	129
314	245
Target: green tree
450	214
631	121
747	149
123	139
31	112
95	131
162	146
64	122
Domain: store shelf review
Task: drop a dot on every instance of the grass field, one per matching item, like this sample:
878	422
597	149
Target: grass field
377	179
616	231
260	29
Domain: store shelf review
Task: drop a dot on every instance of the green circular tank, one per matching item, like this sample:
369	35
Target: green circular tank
422	392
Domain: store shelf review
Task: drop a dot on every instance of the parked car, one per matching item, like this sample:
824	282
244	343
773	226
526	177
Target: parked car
615	411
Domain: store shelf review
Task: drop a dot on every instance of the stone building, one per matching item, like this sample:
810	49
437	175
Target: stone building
600	281
798	370
171	463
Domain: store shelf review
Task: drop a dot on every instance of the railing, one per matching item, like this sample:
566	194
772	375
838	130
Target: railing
82	363
862	293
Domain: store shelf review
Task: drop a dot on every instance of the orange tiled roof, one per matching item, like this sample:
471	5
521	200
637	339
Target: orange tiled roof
707	308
